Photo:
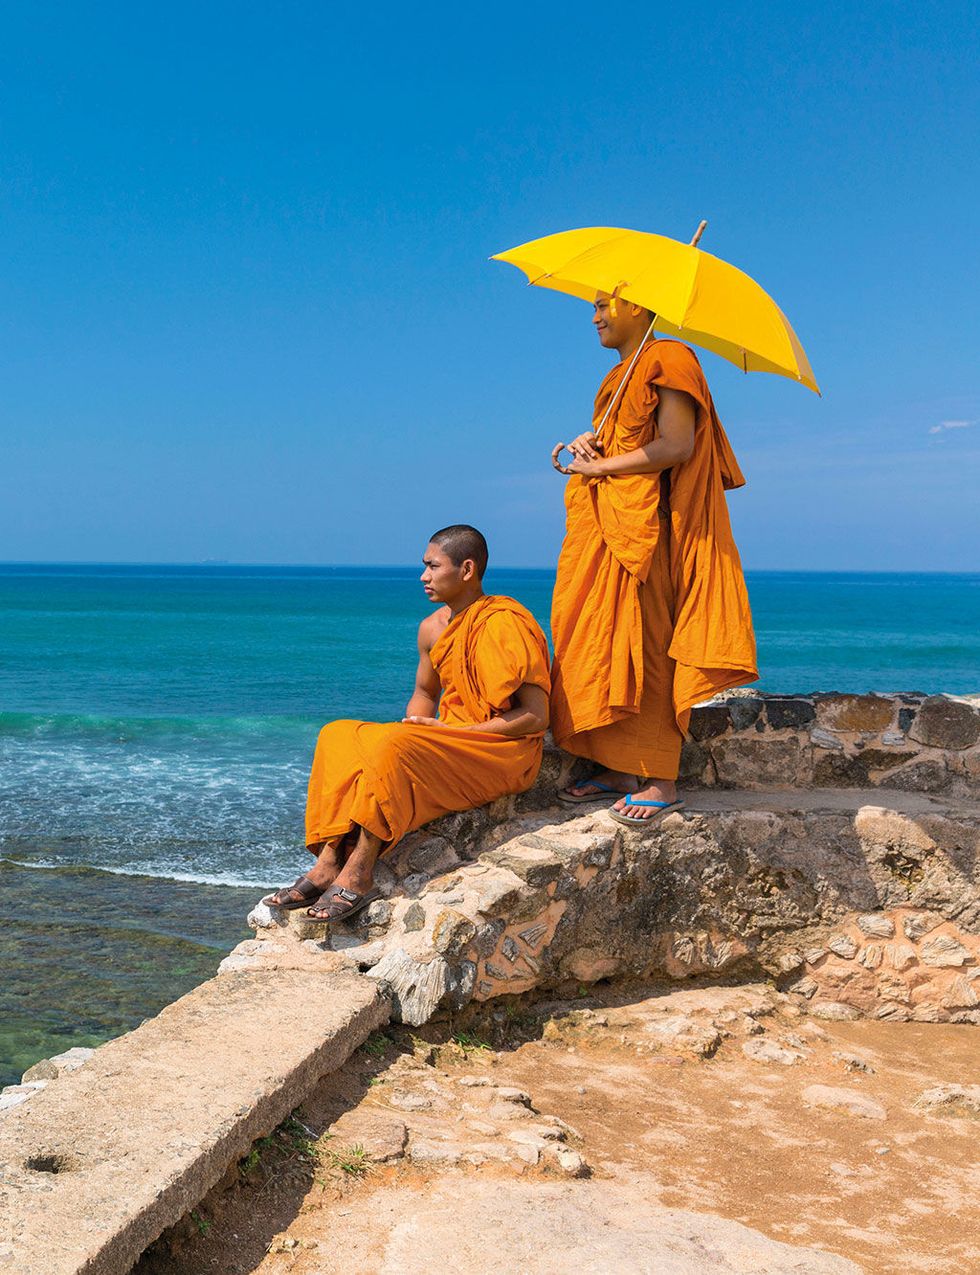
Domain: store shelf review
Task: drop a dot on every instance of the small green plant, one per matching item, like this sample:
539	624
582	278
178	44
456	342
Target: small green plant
202	1223
351	1160
468	1042
376	1045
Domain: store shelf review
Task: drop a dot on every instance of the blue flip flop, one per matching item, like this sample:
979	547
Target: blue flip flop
662	808
576	799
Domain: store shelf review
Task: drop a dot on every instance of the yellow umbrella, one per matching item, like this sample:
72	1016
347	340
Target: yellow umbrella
695	296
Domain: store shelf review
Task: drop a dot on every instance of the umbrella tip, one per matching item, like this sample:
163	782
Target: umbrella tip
702	227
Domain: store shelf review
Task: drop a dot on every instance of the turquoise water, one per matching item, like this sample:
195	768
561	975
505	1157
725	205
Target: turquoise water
157	724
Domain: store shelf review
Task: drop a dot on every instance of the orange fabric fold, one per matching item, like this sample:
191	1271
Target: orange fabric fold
393	777
650	614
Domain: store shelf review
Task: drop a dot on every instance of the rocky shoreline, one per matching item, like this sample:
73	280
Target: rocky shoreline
830	847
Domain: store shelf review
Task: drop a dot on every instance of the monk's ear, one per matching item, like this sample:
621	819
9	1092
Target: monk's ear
468	568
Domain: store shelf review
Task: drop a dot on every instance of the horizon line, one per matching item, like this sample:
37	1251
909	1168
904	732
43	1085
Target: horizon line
218	563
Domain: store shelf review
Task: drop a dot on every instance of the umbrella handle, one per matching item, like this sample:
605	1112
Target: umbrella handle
556	452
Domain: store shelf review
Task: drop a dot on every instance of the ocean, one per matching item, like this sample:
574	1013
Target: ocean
157	725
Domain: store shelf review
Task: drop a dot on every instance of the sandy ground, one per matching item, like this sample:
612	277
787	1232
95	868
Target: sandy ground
690	1100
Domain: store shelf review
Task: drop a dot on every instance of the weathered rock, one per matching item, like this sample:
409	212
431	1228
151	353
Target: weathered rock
943	950
876	925
834	1011
571	1164
685	1033
946	723
416	988
789	711
764	1050
744	710
846	1100
14	1095
539	1228
381	1139
919	924
59	1065
953	1100
844	946
853	1062
758	762
429	1151
710	720
870	713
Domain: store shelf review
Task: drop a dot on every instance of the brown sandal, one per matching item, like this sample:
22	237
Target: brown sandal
339	904
300	894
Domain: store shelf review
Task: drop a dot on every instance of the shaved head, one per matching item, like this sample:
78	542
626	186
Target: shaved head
461	541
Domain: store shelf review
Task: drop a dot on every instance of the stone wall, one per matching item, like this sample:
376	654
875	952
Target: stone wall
918	743
780	878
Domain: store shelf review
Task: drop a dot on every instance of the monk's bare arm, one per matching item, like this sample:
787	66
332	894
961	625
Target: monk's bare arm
425	697
673	444
528	715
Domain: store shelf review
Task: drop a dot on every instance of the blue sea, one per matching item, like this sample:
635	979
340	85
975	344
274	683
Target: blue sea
157	725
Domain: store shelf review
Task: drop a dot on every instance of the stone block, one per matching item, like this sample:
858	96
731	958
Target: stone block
452	932
946	723
925	775
754	762
744	710
858	713
709	721
543	792
432	855
141	1133
530	858
791	711
694	763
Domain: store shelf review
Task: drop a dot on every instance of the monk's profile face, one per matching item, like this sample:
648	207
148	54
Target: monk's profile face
442	579
618	322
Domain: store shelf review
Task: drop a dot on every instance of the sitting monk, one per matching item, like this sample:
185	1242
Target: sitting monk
483	661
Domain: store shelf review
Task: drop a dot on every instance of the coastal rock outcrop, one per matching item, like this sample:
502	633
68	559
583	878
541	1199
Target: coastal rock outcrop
861	901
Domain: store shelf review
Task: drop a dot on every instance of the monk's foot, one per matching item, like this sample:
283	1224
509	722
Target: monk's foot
300	894
330	859
349	894
662	791
600	785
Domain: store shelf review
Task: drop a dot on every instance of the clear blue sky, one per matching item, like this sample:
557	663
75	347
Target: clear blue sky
246	311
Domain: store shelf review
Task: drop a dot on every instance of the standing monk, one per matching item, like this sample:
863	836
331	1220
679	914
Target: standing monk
650	613
472	732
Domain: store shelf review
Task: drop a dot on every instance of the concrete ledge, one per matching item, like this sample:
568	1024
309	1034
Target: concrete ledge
98	1163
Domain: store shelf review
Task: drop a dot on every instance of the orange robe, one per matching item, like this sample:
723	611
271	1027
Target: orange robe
650	614
391	778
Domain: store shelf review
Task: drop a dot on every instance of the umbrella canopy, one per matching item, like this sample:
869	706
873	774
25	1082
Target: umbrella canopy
695	296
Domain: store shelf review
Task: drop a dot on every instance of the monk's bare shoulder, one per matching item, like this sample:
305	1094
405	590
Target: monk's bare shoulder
432	628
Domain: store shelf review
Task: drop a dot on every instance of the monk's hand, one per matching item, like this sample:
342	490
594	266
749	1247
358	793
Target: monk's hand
586	446
587	468
423	721
555	453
